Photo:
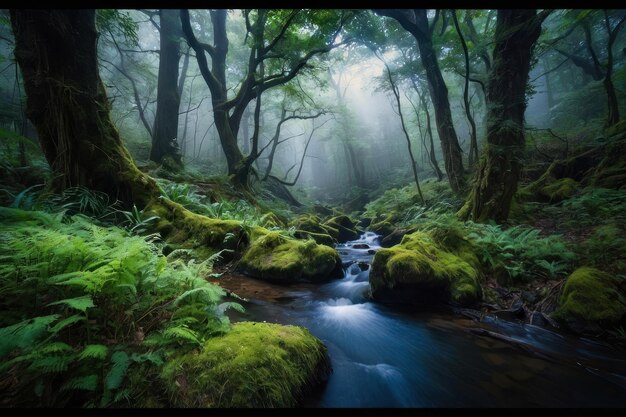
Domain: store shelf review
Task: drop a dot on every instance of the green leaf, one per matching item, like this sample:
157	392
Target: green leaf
67	322
24	334
87	383
116	374
94	351
78	303
182	333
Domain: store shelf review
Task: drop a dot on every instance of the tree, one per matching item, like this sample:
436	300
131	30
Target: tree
473	151
165	132
67	103
498	172
416	23
275	43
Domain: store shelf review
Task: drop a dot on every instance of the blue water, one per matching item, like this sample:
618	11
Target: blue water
386	358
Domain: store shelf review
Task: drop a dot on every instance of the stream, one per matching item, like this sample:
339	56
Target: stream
382	357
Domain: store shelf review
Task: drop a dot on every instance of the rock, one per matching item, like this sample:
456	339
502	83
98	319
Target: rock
322	210
537	319
354	269
360	246
420	270
371	252
364	222
363	266
591	299
345	228
253	365
275	257
320	238
393	238
271	220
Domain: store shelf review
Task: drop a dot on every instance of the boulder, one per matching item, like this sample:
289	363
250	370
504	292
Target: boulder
274	257
420	270
253	365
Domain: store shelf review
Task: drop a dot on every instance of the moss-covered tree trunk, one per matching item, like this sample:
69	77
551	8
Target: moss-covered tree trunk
164	139
67	103
498	171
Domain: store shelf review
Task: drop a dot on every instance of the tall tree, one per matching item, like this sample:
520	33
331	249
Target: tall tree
165	132
275	42
473	151
415	22
498	172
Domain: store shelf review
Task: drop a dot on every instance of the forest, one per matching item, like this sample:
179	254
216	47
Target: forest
312	208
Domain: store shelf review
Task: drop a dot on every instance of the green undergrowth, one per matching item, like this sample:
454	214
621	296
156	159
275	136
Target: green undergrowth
91	313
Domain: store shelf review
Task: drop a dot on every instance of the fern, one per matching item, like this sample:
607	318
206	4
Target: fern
98	352
86	383
78	303
25	333
117	372
52	260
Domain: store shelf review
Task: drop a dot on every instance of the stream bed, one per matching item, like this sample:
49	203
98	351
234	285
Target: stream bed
382	357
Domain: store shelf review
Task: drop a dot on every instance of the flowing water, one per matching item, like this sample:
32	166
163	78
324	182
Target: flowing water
382	357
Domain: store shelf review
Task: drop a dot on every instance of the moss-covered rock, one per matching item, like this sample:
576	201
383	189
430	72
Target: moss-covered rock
420	270
253	365
310	223
549	187
271	220
320	238
346	228
383	228
591	295
275	257
559	190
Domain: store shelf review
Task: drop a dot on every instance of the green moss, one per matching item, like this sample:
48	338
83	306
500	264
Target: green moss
383	227
341	228
271	220
591	295
559	190
320	238
421	266
181	226
254	365
275	257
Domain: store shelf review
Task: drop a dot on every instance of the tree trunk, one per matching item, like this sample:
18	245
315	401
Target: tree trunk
453	161
498	172
164	139
416	23
473	149
67	103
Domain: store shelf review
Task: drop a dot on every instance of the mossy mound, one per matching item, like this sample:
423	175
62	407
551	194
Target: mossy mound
320	238
383	227
253	365
549	189
271	220
310	223
346	228
275	257
190	230
591	296
559	190
421	270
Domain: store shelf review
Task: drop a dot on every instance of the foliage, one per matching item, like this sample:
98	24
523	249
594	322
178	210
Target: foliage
86	305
